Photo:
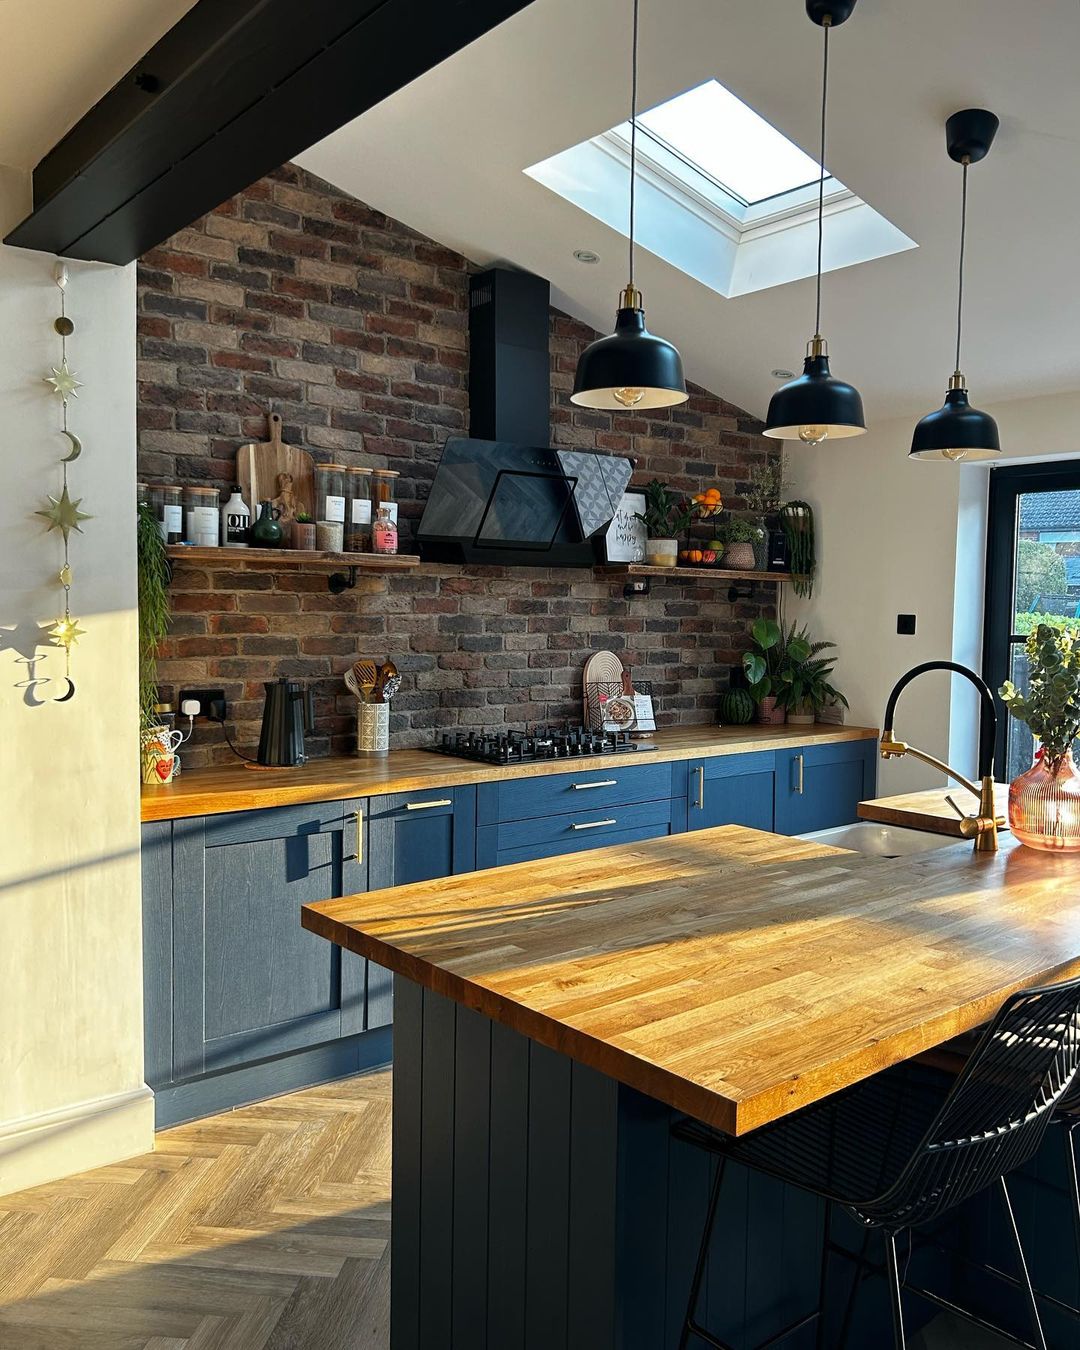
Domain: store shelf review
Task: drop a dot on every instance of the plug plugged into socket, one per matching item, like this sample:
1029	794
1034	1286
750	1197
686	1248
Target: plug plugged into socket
211	703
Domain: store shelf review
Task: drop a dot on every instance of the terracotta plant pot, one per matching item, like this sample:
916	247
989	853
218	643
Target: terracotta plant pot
739	557
303	535
768	714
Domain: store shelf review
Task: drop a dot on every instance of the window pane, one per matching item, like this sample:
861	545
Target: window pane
1047	557
1019	742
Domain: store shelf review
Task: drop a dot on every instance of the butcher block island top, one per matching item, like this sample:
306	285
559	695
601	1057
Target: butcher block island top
733	974
237	787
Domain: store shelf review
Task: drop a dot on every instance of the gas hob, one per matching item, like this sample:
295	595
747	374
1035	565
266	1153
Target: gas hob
539	744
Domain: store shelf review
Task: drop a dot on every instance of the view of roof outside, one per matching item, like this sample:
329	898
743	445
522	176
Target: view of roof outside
730	143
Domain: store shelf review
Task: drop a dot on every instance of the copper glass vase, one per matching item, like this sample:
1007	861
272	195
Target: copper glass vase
1044	805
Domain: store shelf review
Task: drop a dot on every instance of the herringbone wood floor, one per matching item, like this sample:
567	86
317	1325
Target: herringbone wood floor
266	1227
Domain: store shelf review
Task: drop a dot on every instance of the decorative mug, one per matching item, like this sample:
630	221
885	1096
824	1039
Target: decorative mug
159	760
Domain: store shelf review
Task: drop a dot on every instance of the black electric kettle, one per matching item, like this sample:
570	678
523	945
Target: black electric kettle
287	714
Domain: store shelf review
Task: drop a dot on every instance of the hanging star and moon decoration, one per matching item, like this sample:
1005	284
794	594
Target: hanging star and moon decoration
62	512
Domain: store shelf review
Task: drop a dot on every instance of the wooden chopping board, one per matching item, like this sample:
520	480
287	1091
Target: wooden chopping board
271	470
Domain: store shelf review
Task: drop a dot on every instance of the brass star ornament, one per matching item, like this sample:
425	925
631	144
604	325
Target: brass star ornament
63	381
66	632
64	514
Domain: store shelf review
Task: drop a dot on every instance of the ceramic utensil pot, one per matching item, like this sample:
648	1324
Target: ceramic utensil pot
287	714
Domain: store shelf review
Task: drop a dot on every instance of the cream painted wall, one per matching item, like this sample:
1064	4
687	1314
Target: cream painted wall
900	536
71	1087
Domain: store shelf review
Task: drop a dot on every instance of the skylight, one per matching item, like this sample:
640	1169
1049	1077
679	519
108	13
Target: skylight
717	133
721	195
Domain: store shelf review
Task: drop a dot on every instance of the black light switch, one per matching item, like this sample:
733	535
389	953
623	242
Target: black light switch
905	625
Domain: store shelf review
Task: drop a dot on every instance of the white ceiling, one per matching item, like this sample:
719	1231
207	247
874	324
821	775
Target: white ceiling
58	57
446	154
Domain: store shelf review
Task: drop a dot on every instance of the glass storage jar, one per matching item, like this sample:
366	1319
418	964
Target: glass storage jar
171	519
358	510
384	533
383	487
330	507
201	519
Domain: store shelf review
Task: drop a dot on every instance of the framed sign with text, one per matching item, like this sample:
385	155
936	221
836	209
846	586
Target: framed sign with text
625	537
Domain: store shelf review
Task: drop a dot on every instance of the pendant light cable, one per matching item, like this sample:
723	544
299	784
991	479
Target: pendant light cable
633	134
960	287
821	175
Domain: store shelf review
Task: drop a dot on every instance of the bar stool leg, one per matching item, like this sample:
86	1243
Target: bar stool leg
1033	1307
1074	1179
894	1291
823	1281
690	1326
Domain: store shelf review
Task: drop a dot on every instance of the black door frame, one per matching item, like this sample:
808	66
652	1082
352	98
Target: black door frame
1007	484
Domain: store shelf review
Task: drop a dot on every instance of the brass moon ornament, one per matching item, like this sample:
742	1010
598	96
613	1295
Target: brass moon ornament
76	447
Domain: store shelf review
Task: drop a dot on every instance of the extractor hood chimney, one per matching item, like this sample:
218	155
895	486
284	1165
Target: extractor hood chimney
509	362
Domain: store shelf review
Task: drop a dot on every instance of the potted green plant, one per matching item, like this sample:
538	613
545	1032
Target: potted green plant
303	531
666	516
803	685
739	538
156	741
762	666
797	522
763	496
1044	802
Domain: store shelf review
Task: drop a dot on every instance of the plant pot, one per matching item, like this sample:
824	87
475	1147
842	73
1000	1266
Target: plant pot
303	534
739	557
768	714
832	714
800	716
1044	805
661	552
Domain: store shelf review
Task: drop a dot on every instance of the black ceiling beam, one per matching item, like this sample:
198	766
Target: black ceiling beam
232	91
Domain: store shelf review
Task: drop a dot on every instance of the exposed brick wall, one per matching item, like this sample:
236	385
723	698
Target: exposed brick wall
296	298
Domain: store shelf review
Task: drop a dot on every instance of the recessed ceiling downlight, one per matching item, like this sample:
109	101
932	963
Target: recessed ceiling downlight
586	255
781	374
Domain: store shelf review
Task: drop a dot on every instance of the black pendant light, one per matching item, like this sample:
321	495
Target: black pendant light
816	406
631	368
957	430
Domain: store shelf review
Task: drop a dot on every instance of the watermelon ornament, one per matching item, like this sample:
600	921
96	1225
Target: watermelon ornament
736	707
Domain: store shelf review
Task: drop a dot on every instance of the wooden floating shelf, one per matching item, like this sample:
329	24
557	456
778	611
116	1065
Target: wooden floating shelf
302	557
697	573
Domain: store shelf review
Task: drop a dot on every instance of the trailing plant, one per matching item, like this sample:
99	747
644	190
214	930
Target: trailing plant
666	515
1050	706
797	522
803	680
766	488
154	609
762	662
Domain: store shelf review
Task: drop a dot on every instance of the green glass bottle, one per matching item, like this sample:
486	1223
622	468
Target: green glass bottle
266	532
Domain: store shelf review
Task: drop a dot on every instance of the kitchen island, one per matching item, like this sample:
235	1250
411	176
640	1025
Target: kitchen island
551	1021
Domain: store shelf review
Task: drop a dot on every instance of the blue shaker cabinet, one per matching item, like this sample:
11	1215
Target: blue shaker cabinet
731	790
820	786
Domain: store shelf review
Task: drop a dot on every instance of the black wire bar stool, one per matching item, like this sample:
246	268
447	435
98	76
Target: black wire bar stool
903	1148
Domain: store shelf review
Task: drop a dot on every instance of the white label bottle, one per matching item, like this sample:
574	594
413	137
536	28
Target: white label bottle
235	522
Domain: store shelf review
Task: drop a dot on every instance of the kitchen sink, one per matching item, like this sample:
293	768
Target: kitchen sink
881	841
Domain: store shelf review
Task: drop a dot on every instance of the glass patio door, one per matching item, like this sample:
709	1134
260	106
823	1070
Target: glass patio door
1032	576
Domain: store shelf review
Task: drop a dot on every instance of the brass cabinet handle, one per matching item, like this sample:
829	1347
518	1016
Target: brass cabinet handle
799	775
358	856
591	824
603	782
700	771
425	806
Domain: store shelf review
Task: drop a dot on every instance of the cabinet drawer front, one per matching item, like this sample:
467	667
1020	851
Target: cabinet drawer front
734	766
579	844
428	802
593	825
278	822
574	790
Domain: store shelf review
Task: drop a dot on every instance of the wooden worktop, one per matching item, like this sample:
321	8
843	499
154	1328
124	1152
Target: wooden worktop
235	787
732	974
930	811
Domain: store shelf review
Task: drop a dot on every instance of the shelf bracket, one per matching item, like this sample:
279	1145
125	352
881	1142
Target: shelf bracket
337	582
634	590
740	590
